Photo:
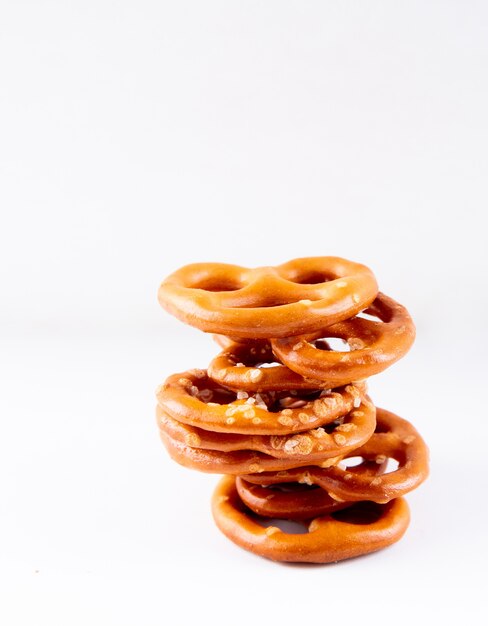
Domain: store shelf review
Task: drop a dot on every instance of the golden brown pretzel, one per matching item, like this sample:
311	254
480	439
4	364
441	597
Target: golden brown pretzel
294	298
234	365
235	463
310	446
375	345
194	398
395	438
330	537
298	502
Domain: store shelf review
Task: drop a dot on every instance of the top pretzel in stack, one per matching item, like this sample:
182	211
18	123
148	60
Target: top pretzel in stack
279	406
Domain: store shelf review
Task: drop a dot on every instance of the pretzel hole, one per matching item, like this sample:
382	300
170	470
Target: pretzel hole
332	343
352	461
221	397
265	364
369	316
277	401
322	344
292	487
392	466
312	278
382	428
207	391
287	526
359	513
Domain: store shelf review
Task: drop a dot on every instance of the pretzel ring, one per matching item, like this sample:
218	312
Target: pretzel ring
374	345
313	475
235	463
395	438
296	503
195	399
311	446
294	298
330	538
299	502
233	368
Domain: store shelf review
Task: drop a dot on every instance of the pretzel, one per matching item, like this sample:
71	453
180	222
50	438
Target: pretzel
294	298
233	368
375	345
298	502
235	463
311	446
194	398
330	538
395	438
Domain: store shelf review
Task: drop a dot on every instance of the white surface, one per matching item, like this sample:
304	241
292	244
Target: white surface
137	137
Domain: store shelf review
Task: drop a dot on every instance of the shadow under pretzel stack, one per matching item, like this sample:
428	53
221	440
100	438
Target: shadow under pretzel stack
280	412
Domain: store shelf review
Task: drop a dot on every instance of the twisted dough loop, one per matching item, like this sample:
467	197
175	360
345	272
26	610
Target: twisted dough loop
290	299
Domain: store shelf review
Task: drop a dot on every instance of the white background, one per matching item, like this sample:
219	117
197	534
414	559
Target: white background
140	136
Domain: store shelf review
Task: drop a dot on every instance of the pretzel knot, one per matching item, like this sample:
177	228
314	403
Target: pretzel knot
285	415
290	299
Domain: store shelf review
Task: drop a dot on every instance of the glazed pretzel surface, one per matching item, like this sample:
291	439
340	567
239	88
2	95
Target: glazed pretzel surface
296	502
329	538
294	298
195	399
374	345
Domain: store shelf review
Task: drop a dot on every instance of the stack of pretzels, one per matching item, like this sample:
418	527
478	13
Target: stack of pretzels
284	415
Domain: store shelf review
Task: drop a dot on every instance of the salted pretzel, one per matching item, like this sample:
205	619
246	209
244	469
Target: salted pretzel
361	529
232	463
294	298
394	438
374	345
310	446
195	399
296	502
233	368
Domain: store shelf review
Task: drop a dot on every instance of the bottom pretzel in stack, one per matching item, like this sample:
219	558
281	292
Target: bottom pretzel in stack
288	420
